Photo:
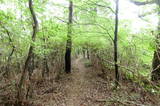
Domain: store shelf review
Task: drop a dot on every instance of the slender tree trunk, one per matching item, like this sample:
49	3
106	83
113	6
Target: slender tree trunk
30	58
45	63
155	76
69	40
84	52
9	61
116	45
88	56
11	53
45	67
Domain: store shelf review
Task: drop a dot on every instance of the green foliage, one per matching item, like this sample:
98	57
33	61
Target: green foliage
93	28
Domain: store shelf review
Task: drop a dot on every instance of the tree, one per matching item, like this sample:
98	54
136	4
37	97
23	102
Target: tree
69	40
115	43
12	51
30	58
155	76
156	58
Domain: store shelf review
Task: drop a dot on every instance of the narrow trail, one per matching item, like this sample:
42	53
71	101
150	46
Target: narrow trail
76	87
82	89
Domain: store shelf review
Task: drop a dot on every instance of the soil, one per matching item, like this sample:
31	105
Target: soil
86	87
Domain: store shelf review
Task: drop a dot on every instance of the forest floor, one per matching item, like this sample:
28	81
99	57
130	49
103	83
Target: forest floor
85	87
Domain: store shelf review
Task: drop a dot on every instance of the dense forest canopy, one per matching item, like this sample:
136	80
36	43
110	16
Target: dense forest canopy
43	39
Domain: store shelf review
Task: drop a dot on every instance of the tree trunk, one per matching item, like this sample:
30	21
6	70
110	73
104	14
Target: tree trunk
45	67
7	67
69	40
88	56
29	63
155	75
45	63
115	44
156	66
84	52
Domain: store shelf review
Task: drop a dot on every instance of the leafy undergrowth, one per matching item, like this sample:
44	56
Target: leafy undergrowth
86	86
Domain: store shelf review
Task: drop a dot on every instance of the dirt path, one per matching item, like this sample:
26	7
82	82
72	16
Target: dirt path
76	87
82	89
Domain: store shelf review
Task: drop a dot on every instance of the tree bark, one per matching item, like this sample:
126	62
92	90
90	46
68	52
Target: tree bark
88	56
69	40
45	63
30	58
116	45
84	52
155	75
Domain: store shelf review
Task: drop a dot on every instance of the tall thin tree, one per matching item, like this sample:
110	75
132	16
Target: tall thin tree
155	75
12	51
30	57
69	40
116	44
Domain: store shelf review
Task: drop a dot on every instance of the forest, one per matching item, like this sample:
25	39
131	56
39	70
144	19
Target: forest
79	52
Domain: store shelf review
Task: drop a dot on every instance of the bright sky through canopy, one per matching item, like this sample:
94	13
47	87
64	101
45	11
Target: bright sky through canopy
131	12
128	11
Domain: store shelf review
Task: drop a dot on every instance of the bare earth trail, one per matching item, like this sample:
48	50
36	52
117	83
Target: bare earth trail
84	87
76	87
81	90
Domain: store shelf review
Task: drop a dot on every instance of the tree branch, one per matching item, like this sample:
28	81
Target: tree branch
142	3
35	25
